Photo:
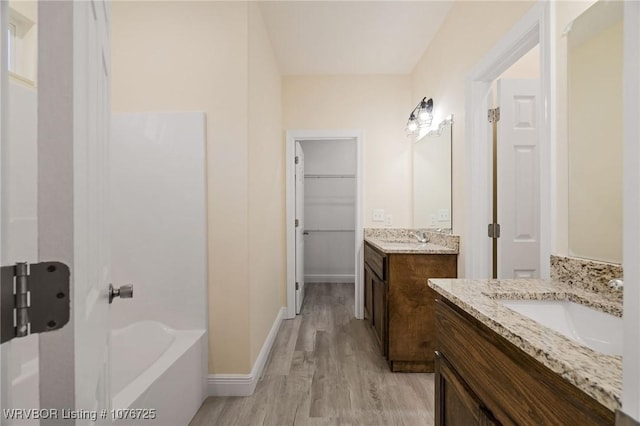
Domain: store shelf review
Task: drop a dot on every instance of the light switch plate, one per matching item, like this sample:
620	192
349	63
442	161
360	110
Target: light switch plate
387	220
378	215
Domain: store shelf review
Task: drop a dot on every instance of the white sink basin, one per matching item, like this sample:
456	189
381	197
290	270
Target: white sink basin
600	331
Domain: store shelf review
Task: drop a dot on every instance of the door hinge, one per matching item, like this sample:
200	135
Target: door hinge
297	159
297	223
494	115
494	230
34	298
297	285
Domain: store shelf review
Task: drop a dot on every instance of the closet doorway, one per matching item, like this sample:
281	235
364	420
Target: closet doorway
324	230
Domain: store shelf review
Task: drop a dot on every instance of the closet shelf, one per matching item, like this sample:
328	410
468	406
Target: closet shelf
330	176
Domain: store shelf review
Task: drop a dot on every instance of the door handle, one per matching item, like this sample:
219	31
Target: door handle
123	292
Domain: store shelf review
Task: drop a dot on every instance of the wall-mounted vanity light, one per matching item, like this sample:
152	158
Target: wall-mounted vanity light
420	117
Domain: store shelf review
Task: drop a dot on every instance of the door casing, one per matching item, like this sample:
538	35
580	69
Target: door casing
533	29
302	135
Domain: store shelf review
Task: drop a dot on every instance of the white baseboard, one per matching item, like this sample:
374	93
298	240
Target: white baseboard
245	384
329	278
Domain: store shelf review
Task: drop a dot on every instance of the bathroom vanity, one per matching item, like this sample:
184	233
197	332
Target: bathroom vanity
397	301
495	365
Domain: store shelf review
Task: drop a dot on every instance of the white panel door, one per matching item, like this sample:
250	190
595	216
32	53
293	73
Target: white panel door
518	157
299	227
71	364
92	112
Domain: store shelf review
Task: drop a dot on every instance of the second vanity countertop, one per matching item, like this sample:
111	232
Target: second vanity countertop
404	246
596	374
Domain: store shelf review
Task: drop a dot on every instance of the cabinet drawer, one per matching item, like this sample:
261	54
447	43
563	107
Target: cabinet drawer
376	261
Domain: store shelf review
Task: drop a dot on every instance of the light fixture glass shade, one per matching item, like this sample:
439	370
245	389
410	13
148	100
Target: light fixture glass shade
425	118
412	125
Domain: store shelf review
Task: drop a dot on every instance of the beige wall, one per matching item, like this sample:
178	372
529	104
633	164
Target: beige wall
267	255
378	105
464	38
182	56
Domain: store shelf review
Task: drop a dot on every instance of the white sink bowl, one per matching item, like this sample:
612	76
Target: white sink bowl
592	328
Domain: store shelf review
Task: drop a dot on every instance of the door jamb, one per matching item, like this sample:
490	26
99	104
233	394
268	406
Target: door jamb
631	212
535	28
302	135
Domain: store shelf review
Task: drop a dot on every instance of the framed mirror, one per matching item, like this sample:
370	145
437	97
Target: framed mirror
432	178
595	132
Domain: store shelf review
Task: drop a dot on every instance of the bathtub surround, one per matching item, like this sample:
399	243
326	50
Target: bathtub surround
158	213
586	274
158	242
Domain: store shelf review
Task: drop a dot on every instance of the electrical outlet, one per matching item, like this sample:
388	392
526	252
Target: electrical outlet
387	220
443	215
378	215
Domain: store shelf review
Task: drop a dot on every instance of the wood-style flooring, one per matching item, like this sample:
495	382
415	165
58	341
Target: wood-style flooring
326	369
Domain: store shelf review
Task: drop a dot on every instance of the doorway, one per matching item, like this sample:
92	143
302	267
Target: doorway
532	30
326	246
515	123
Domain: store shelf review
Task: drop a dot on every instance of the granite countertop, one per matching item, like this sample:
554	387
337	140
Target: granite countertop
408	246
596	374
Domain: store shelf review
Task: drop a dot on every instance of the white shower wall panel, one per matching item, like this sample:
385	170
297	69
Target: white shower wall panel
158	199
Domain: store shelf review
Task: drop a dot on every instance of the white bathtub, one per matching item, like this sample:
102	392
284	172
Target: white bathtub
157	368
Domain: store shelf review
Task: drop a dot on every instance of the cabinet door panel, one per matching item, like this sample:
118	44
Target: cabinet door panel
380	312
456	405
368	295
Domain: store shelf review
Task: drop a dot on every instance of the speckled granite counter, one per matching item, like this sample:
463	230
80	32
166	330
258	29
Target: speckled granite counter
404	246
596	374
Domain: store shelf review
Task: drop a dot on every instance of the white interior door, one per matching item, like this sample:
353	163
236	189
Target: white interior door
518	180
18	223
92	112
69	186
299	217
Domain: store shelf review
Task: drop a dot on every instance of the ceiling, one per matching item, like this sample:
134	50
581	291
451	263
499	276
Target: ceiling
351	37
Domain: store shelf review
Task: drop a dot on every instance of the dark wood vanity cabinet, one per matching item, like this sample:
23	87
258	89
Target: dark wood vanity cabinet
483	379
400	306
375	294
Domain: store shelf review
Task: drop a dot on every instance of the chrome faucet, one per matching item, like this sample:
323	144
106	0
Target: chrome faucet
616	284
422	238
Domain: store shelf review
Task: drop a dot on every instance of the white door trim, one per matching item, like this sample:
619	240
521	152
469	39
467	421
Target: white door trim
301	135
631	212
533	29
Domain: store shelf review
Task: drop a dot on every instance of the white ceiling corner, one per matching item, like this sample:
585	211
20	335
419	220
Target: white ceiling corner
351	37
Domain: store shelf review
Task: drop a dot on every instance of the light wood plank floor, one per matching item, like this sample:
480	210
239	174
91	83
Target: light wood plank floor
326	369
